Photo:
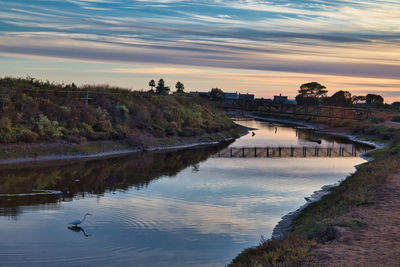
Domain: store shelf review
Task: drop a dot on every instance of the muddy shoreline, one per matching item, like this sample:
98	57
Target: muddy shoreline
122	150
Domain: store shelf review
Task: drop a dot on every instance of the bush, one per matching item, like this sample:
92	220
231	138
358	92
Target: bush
396	118
375	119
47	127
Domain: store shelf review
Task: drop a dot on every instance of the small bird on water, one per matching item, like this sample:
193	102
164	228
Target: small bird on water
77	221
253	133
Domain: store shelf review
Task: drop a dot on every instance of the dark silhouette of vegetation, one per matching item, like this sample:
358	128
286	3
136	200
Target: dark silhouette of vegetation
340	98
310	93
179	88
37	111
358	98
216	94
396	118
161	89
396	105
152	84
373	99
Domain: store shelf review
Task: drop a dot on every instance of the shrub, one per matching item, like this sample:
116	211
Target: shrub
375	119
47	127
396	118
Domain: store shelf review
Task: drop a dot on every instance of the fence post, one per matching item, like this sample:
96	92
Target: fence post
87	97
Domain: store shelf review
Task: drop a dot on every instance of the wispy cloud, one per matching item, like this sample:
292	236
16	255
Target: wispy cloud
349	38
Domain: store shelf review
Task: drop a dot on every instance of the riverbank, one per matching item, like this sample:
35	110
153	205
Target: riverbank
35	153
377	244
321	222
284	227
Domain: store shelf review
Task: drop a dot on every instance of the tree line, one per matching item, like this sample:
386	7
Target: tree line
162	89
314	93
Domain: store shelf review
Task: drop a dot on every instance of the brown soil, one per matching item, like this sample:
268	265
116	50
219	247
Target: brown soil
378	244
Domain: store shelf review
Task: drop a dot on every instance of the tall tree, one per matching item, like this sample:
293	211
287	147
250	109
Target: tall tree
340	98
152	83
179	87
374	99
161	89
310	93
312	89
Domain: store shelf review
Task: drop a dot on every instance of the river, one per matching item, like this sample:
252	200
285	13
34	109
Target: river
170	208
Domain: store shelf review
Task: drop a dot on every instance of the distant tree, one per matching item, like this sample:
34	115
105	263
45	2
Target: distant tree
310	93
152	83
179	87
216	94
340	98
358	98
396	105
312	89
161	89
374	99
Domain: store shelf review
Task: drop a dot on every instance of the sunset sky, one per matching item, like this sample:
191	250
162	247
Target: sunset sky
255	46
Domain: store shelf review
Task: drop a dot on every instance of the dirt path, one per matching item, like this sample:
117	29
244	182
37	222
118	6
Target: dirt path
376	245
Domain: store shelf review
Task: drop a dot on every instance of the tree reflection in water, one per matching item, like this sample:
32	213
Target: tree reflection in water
77	178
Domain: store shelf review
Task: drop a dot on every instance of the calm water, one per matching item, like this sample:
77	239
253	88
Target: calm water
160	209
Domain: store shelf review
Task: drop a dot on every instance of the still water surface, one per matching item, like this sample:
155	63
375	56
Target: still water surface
160	209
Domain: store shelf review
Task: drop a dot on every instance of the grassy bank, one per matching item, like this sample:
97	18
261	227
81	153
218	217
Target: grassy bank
57	119
35	111
316	223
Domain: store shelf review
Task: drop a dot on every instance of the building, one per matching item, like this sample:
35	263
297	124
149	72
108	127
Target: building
231	98
280	99
246	98
201	94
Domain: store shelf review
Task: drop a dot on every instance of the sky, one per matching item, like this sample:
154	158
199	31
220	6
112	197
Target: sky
255	46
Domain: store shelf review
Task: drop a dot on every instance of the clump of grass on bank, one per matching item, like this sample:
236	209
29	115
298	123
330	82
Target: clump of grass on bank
274	253
34	111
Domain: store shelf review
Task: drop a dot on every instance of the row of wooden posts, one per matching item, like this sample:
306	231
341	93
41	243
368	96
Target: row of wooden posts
270	152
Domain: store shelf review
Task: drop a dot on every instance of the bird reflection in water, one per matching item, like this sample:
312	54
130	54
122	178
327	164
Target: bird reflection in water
78	229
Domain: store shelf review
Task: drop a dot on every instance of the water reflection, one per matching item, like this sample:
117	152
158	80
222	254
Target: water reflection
95	177
274	134
78	229
158	209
